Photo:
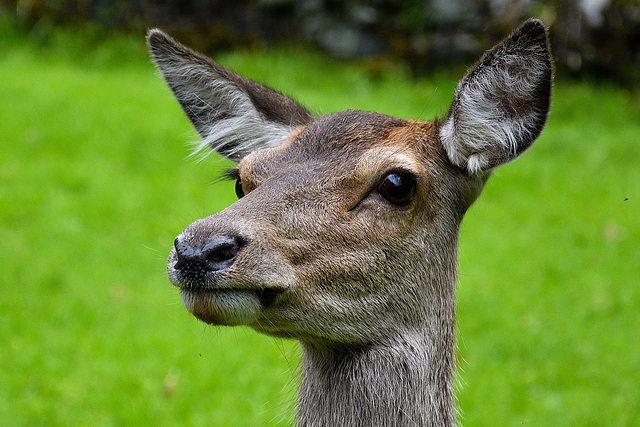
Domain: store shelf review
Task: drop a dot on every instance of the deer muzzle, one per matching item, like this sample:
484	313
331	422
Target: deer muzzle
216	283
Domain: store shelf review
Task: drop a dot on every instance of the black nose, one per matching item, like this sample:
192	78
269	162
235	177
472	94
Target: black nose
217	254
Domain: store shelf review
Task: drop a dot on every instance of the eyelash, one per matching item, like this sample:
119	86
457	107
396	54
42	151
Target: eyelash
230	174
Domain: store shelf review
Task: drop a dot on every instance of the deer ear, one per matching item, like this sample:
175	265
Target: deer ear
501	105
234	115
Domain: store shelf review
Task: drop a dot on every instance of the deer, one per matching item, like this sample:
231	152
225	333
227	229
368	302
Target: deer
345	232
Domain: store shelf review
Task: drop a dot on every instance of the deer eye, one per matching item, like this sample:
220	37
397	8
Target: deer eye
398	188
239	191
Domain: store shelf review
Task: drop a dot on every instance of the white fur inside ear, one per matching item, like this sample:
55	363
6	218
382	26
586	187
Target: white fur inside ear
477	163
223	114
493	112
235	128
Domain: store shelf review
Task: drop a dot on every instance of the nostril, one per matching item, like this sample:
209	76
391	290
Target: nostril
184	259
179	247
222	251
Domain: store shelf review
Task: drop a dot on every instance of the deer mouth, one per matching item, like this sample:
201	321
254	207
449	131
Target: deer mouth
228	306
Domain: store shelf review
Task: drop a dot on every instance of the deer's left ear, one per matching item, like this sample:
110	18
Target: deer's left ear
501	105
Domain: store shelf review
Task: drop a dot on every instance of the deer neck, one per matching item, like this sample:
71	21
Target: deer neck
403	380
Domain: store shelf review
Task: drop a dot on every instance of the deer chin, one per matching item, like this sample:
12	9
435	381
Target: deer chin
228	307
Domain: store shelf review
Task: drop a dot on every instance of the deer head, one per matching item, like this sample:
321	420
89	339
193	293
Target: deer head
345	231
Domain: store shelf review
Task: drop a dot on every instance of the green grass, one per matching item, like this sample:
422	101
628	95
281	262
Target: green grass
95	184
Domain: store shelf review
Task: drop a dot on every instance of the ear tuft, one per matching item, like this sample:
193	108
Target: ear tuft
501	105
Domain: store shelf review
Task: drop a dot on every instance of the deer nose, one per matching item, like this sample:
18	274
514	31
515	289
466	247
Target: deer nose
217	254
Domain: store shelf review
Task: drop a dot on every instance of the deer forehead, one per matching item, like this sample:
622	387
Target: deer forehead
350	146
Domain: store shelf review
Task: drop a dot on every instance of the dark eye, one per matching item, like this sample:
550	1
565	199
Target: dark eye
239	191
398	188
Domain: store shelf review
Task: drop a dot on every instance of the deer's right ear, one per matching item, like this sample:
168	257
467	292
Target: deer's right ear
501	105
234	115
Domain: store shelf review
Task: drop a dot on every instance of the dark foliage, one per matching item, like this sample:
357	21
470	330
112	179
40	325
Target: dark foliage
601	38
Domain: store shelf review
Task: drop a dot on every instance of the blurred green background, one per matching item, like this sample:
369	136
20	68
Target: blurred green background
95	183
